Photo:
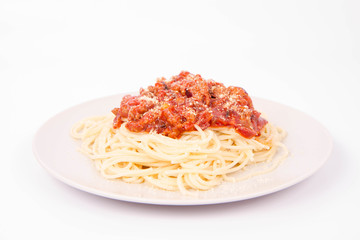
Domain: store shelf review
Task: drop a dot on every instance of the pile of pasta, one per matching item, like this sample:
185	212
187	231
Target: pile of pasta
198	160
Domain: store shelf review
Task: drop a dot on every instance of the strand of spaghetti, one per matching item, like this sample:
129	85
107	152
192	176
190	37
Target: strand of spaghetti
163	139
181	186
210	172
274	165
152	152
160	184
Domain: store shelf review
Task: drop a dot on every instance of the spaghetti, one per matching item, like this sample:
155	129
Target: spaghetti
198	159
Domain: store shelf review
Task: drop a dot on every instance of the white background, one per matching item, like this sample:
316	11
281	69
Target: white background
55	54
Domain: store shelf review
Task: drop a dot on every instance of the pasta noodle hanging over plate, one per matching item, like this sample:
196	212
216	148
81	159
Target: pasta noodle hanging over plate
175	139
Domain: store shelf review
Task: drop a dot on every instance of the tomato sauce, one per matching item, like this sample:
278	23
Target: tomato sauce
172	107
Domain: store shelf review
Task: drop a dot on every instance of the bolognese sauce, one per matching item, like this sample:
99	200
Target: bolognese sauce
172	107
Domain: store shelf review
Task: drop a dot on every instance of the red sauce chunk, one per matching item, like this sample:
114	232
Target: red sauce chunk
174	106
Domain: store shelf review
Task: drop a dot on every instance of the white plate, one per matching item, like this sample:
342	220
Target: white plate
308	141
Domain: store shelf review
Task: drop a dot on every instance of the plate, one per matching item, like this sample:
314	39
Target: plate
309	144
